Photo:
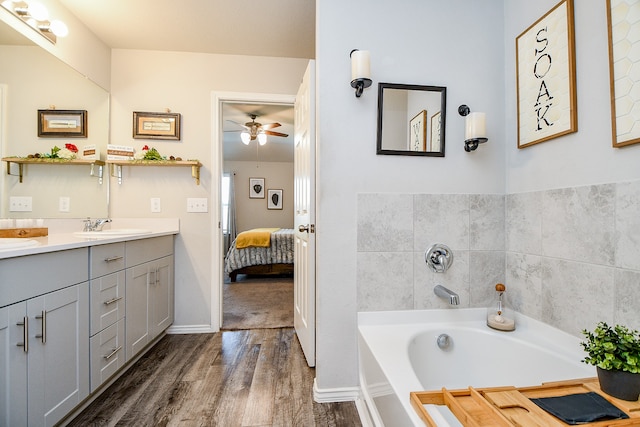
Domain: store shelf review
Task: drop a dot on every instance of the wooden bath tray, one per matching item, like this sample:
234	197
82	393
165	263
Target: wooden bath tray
510	406
24	232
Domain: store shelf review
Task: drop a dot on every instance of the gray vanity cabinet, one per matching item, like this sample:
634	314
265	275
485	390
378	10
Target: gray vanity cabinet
44	364
149	291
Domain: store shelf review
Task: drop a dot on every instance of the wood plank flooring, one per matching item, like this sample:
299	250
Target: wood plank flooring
255	377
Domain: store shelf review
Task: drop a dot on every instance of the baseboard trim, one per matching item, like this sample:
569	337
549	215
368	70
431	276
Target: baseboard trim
191	329
344	394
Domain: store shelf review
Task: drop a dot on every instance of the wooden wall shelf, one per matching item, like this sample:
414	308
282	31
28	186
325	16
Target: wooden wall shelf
21	161
116	166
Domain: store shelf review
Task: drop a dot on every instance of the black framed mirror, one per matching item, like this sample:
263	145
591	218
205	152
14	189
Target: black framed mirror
411	119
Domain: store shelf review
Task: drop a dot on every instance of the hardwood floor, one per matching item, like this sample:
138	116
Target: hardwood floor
255	377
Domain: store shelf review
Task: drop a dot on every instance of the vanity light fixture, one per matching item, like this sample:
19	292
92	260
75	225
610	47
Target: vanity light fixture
360	70
475	128
35	15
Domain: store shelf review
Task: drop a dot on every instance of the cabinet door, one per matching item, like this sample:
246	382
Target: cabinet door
137	310
58	358
161	299
13	366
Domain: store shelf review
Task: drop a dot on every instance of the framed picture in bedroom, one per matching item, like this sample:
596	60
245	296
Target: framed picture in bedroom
274	199
256	188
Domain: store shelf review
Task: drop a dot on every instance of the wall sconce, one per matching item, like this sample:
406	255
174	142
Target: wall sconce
360	70
36	16
475	128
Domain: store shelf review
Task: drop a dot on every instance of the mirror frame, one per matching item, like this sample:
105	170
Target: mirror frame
443	104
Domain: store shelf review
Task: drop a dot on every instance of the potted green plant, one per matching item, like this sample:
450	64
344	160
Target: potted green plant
615	351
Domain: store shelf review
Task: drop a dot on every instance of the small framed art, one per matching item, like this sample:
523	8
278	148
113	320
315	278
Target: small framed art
156	125
418	132
62	123
274	199
256	188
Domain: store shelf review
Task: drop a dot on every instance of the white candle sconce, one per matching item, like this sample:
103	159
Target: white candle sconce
360	70
475	129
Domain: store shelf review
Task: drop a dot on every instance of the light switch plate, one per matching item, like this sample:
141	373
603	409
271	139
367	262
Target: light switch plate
64	204
197	204
155	205
20	204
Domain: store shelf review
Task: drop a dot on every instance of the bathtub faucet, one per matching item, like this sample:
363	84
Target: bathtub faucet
447	294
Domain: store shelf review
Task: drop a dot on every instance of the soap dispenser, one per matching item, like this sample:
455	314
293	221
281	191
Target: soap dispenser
499	316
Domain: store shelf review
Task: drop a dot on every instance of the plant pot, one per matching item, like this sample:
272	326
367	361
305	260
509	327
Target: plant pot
621	384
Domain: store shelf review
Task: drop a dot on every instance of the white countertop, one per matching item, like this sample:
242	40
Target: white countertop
61	235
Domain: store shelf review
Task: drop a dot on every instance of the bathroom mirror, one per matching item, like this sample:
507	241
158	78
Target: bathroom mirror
411	119
32	79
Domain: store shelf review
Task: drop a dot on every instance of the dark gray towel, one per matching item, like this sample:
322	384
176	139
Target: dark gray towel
580	408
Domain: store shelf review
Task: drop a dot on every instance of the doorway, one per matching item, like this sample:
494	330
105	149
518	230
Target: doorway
232	113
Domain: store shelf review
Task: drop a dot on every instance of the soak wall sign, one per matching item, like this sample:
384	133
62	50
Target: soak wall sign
545	74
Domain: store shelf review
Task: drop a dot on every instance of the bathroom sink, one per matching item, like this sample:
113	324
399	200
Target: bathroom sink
113	232
15	243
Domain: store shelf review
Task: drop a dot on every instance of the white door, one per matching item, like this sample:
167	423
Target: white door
304	292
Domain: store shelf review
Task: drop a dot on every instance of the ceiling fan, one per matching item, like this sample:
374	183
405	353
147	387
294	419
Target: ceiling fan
254	130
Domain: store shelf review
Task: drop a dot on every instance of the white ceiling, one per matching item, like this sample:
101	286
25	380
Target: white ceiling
276	28
281	28
277	149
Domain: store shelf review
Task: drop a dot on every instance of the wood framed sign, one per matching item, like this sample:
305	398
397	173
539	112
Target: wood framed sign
418	132
623	71
546	77
62	123
156	125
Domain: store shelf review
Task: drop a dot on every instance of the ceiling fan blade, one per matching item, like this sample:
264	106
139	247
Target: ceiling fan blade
271	126
272	133
239	124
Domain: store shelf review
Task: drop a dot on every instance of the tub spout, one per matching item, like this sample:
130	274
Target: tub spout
447	294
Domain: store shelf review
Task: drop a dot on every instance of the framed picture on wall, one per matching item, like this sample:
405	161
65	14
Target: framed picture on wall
156	125
256	188
546	77
62	123
274	199
418	132
434	142
623	71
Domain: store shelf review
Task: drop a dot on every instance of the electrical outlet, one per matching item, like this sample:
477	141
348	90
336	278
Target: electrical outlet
20	204
155	205
197	205
64	204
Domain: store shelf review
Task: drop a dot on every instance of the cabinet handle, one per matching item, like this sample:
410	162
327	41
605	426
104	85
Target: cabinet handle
25	334
113	258
151	282
115	350
157	275
112	300
43	335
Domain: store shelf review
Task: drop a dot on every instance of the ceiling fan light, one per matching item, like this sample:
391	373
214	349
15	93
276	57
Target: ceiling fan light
262	138
245	137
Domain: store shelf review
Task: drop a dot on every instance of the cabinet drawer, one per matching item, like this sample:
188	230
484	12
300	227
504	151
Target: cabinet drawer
139	251
106	259
107	353
26	277
107	300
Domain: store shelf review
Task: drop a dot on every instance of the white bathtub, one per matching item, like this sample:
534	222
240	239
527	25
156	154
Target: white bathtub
398	354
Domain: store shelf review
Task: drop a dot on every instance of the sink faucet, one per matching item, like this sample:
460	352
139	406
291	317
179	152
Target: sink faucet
95	225
447	294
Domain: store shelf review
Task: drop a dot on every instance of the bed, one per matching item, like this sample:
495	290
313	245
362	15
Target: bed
260	251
